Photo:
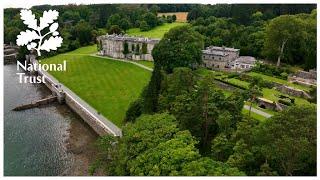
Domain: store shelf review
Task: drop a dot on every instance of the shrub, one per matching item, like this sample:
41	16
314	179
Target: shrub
233	75
271	70
144	26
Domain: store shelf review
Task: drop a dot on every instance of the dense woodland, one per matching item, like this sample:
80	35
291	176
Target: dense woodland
258	30
183	124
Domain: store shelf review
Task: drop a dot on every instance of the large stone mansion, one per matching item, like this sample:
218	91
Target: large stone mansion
126	47
140	48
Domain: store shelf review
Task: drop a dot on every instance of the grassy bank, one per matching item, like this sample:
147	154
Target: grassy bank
108	86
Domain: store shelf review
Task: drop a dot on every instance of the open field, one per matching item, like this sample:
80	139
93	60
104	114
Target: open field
108	86
181	16
156	32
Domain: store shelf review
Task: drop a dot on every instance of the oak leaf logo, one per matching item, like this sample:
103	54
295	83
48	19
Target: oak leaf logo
37	37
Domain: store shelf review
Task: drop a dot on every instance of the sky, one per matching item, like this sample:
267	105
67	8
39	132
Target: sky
30	3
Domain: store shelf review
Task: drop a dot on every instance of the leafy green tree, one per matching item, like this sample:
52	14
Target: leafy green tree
167	158
11	34
280	33
145	134
207	167
144	26
115	29
154	9
169	19
289	141
181	81
174	18
151	19
151	92
180	47
114	19
82	30
254	91
125	24
221	148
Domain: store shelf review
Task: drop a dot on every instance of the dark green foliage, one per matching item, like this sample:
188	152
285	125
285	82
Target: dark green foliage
115	29
154	146
134	110
208	167
169	19
174	18
180	47
144	49
199	106
137	50
82	30
151	92
288	141
285	102
125	24
313	94
151	19
144	26
125	48
272	70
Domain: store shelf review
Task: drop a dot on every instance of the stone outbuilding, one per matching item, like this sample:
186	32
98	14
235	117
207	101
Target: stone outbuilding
219	57
243	62
215	57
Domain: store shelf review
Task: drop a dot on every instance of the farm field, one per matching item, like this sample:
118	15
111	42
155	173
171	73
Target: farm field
108	86
181	16
156	32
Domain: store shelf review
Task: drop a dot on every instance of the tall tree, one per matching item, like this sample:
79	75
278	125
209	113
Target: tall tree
180	47
280	33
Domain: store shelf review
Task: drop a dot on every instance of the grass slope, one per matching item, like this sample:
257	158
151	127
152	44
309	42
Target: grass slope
108	86
156	32
146	63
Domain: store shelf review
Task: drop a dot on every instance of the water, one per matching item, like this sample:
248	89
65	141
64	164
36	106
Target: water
50	140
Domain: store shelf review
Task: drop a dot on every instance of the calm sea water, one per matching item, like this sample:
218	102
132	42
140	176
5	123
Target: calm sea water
35	139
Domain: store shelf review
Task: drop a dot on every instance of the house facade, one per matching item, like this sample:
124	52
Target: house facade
126	47
140	48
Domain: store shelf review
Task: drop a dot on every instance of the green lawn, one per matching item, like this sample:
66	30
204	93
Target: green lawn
281	81
238	82
156	32
273	94
108	86
146	63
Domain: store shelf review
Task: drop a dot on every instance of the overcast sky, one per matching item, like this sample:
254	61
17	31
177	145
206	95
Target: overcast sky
30	3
